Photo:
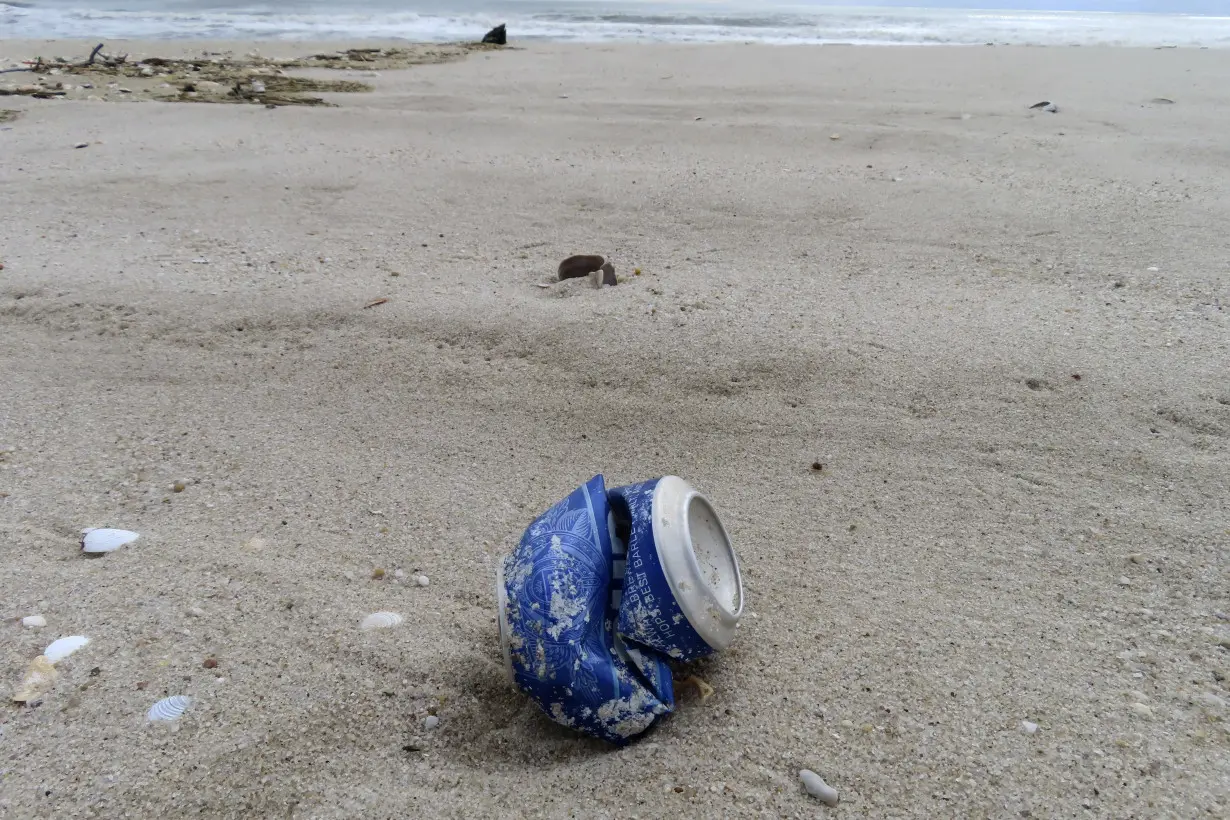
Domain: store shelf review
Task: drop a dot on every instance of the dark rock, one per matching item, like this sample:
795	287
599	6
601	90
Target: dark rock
577	266
497	36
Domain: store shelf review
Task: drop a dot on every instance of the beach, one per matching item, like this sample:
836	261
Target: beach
951	369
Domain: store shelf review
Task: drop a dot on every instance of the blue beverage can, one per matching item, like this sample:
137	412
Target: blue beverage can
558	595
682	589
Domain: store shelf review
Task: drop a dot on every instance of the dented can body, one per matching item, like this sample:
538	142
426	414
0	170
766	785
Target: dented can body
557	618
604	589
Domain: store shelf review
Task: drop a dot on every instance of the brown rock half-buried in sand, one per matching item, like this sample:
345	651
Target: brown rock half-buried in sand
576	266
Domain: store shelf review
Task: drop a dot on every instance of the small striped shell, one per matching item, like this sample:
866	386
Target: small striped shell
61	648
169	708
380	620
106	540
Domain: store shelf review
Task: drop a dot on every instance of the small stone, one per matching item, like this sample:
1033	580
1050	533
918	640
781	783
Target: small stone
82	145
834	137
1141	710
348	575
399	574
1125	581
1136	558
33	621
178	487
431	722
210	663
1210	701
196	612
141	684
1153	269
377	573
422	580
604	276
817	788
1028	727
146	71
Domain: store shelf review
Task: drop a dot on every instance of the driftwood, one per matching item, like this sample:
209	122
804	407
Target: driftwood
41	66
38	92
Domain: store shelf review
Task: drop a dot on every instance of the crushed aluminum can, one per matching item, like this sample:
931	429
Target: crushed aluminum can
682	592
557	615
602	589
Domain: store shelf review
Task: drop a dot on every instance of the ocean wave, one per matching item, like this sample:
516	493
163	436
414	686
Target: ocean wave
882	27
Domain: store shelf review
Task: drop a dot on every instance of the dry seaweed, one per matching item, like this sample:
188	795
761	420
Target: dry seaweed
251	79
8	114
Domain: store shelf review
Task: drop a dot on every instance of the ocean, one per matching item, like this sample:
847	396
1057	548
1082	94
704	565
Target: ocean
1184	23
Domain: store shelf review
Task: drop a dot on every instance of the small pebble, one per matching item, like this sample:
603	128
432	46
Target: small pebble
210	663
1125	581
348	575
817	788
196	612
422	580
377	573
33	621
82	145
1136	558
1210	700
399	574
1029	728
1141	710
431	722
178	487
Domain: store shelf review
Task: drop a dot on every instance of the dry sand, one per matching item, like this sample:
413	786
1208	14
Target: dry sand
1002	332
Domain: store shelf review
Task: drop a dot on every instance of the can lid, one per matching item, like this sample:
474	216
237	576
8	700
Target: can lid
698	560
501	597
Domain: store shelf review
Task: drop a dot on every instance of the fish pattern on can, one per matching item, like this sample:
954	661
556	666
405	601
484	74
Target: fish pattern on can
561	625
649	615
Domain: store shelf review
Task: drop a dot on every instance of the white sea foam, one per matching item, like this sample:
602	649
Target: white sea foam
594	22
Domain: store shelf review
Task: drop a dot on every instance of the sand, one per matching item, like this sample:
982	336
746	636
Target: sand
1002	332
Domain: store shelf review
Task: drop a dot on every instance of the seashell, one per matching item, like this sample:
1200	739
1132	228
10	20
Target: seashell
169	708
40	677
106	540
33	621
380	620
61	648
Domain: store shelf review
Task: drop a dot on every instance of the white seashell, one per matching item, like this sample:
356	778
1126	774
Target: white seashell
169	708
817	788
40	677
380	620
106	540
423	580
61	648
33	621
